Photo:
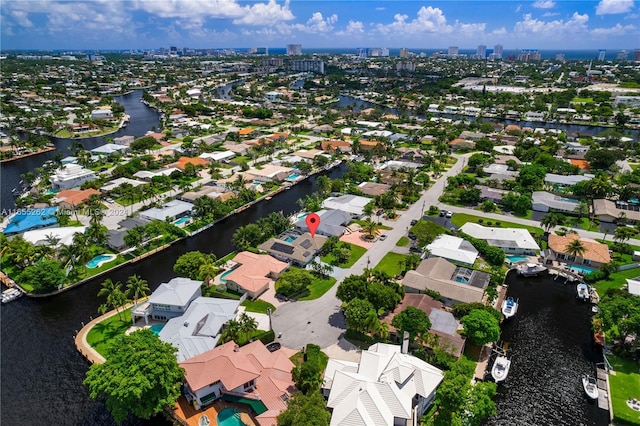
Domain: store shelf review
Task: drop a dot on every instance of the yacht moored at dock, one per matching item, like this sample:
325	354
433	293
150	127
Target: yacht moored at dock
500	368
509	308
530	269
590	385
583	293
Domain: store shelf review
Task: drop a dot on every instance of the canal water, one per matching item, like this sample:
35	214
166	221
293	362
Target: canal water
142	120
550	346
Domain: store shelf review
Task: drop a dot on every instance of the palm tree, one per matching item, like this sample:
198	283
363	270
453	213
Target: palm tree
370	228
114	294
575	249
549	221
137	287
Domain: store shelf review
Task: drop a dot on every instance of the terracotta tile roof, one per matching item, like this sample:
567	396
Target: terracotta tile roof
254	270
594	250
332	145
245	131
582	164
196	161
234	366
75	196
512	128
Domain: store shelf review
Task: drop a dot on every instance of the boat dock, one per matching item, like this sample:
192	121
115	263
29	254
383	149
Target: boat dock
603	389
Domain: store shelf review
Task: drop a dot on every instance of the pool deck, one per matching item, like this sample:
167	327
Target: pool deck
189	416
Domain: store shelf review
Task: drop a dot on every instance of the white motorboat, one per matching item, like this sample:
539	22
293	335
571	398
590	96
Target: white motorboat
530	269
204	420
590	386
509	307
582	291
500	368
10	294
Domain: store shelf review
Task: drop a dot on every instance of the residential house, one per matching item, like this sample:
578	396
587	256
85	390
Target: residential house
246	132
195	161
236	148
462	144
332	223
387	387
198	329
124	140
595	254
109	148
71	176
499	169
453	248
218	156
294	248
454	283
64	235
401	164
115	183
545	201
250	373
491	194
336	145
217	192
173	210
310	154
69	199
169	300
511	240
253	273
352	204
633	286
101	114
561	181
269	173
148	175
373	189
443	324
610	211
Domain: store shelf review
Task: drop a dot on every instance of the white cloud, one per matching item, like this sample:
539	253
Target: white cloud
267	14
544	4
609	7
551	29
192	9
22	18
518	8
550	14
499	31
616	30
318	24
354	28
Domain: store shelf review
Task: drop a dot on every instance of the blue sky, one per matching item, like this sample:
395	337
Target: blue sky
147	24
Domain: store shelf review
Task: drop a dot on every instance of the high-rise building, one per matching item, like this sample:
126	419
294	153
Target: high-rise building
636	55
308	65
497	51
294	49
601	54
560	57
262	50
481	52
453	51
527	55
404	52
622	55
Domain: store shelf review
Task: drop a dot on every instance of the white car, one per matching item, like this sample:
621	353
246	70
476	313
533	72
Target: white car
449	214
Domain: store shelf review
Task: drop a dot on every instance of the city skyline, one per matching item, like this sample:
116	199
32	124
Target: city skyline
133	24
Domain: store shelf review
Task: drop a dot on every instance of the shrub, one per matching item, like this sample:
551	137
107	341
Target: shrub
434	294
594	276
480	220
489	223
267	337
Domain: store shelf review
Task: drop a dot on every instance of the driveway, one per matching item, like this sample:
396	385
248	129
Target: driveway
321	321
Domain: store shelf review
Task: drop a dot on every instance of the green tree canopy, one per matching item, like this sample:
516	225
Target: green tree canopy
44	276
308	410
413	320
357	313
481	327
140	377
294	281
191	264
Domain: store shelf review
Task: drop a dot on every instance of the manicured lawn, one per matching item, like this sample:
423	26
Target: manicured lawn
356	253
105	334
89	272
616	280
582	100
314	356
460	219
259	306
391	264
361	222
403	241
624	384
318	287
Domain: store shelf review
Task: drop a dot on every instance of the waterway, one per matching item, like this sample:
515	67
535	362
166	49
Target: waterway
142	120
359	104
550	347
41	370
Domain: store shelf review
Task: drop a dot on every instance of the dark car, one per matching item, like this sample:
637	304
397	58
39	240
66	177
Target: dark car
412	236
442	213
413	222
274	346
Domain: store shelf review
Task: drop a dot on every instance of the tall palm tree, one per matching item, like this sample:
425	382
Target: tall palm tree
114	294
549	221
137	287
370	228
575	249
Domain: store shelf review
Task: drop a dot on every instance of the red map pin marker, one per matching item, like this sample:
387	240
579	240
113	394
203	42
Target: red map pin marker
313	221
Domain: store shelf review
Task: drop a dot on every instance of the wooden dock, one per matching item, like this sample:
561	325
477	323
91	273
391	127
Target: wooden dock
603	389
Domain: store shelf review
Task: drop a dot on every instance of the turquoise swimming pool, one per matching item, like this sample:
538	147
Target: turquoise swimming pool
290	238
156	328
100	259
183	219
518	258
224	275
293	177
229	417
582	269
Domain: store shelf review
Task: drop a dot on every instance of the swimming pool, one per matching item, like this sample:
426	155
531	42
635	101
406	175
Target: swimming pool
293	177
229	417
581	269
100	259
156	328
462	280
224	275
515	258
33	218
290	238
183	219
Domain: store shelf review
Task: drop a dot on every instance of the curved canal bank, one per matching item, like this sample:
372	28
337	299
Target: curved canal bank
550	346
39	356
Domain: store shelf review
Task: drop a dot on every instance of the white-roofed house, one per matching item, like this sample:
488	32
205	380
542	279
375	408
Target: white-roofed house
169	300
453	248
543	201
352	204
218	155
387	387
332	223
511	240
70	176
198	329
109	148
173	209
555	180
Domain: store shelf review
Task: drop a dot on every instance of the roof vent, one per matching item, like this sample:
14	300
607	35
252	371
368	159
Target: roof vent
186	324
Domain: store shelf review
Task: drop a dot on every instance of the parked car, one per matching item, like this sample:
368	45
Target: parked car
273	346
414	221
412	236
442	213
383	237
110	200
449	214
